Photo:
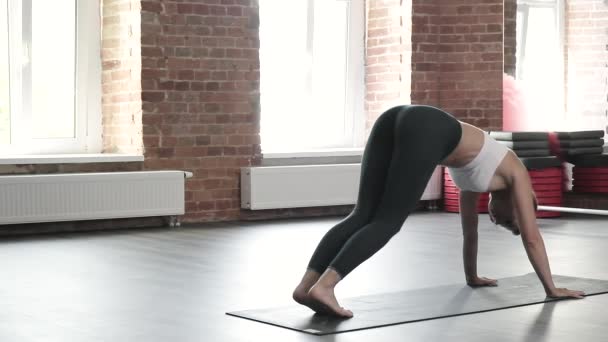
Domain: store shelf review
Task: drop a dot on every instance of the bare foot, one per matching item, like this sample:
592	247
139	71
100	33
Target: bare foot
300	294
322	300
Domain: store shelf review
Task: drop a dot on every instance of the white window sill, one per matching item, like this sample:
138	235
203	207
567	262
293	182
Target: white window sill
343	152
70	158
329	156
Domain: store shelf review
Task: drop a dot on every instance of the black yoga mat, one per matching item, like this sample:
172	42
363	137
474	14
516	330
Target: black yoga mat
581	142
394	308
535	163
581	134
583	151
526	145
519	136
533	153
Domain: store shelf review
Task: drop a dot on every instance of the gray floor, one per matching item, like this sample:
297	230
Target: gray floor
176	285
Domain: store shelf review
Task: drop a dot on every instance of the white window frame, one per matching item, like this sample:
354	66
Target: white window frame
354	109
87	88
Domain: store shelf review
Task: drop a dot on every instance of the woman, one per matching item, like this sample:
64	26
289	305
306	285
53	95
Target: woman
404	147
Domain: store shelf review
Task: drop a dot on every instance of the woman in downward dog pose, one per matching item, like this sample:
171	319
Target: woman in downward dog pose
405	146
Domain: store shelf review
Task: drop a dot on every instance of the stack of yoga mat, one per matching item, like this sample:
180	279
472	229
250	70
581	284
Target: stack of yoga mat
590	173
581	148
546	174
525	144
580	143
536	144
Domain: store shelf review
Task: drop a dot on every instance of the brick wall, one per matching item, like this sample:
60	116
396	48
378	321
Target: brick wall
425	52
510	36
388	56
456	57
471	60
121	76
200	91
587	54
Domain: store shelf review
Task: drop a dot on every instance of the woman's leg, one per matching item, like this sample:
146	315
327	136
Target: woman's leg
414	159
374	167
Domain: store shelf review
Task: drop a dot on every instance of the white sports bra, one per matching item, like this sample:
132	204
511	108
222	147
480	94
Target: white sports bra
477	174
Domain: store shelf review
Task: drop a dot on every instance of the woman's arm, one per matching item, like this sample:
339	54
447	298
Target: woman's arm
469	221
523	204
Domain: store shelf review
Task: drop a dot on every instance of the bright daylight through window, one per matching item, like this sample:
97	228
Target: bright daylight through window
311	55
5	119
44	74
540	61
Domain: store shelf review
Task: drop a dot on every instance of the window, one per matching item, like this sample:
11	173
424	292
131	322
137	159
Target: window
5	119
540	61
49	74
311	64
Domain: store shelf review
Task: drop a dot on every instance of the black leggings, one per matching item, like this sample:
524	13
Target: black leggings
404	147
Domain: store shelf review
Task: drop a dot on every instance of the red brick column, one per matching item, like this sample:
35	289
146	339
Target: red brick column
200	91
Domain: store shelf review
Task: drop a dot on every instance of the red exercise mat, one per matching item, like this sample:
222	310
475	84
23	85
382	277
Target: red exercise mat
547	187
545	194
451	209
451	191
590	170
556	201
547	180
548	172
590	182
548	214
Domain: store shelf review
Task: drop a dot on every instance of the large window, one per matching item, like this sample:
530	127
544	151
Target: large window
540	61
5	118
49	69
311	55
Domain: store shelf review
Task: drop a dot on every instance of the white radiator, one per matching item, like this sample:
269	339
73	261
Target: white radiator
89	196
273	187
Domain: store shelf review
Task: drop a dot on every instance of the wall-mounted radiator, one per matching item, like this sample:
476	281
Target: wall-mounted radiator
273	187
90	196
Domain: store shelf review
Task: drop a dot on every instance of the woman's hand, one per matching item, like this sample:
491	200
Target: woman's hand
481	281
565	293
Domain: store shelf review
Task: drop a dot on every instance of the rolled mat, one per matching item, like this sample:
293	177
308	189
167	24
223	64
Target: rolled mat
533	153
525	145
581	134
575	151
539	163
519	136
581	142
